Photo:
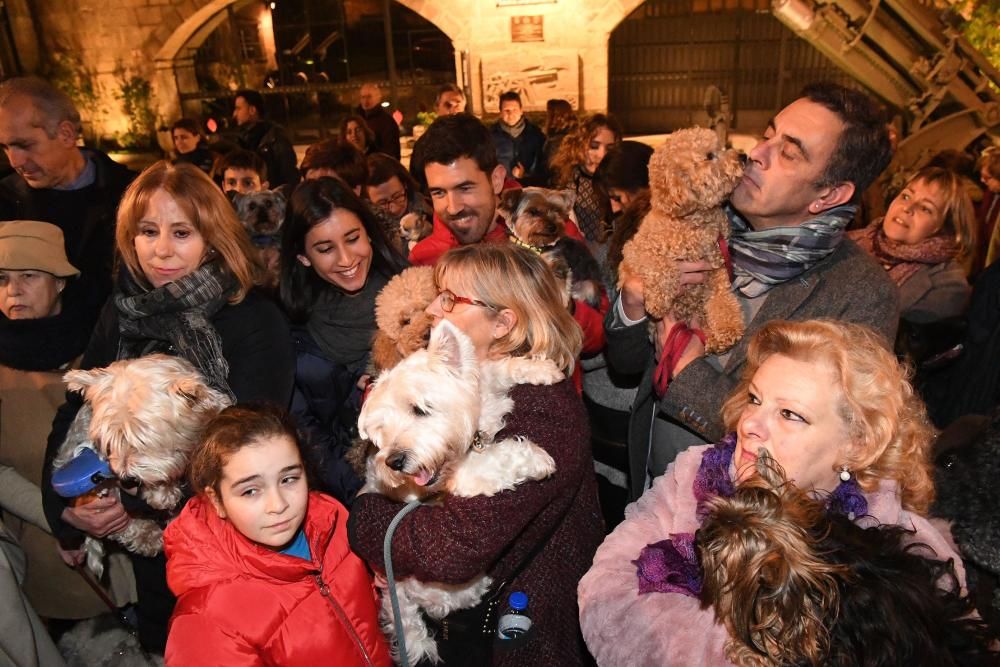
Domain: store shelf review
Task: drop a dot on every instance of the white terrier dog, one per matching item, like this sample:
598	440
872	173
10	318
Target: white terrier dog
145	416
433	419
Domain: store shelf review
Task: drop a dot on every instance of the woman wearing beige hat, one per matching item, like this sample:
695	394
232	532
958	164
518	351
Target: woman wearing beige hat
42	333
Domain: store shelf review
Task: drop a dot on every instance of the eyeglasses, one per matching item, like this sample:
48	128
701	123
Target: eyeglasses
394	200
449	299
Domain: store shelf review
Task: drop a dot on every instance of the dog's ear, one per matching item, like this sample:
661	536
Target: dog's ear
509	199
566	197
282	192
450	346
80	380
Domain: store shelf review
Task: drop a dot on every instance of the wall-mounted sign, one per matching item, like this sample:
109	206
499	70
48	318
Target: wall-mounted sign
526	29
536	77
518	3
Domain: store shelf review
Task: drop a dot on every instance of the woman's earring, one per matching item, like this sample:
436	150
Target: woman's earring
845	474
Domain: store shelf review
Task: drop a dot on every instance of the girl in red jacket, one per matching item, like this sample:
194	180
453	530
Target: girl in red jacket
260	566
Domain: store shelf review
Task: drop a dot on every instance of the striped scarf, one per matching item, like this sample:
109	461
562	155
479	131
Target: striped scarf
178	315
763	259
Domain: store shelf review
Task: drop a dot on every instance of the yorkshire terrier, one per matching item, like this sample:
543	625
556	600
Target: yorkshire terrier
262	214
797	585
144	417
536	219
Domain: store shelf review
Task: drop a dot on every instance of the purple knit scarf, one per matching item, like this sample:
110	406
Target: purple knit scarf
672	565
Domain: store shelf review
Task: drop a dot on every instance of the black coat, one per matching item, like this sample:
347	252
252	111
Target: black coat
325	403
269	142
528	150
87	220
385	128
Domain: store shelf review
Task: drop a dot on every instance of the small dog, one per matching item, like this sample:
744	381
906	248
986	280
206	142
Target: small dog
795	584
415	227
145	416
262	214
431	422
536	219
403	326
690	176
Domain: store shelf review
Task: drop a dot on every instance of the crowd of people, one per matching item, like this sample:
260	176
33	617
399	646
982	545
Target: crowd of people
277	549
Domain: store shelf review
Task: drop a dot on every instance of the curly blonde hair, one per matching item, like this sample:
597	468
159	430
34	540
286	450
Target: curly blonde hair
890	433
573	149
506	276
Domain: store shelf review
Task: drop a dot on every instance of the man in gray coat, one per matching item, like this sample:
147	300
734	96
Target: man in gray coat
790	261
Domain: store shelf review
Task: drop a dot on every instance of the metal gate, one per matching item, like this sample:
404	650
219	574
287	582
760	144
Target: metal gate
666	53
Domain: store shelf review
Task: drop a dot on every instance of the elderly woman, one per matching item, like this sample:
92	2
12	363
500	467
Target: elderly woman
43	331
833	407
927	236
185	288
539	537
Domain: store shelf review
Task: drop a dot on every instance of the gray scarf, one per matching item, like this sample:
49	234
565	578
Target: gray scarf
178	315
343	325
514	130
763	259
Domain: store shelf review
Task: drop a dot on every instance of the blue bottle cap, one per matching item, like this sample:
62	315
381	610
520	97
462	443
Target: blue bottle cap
518	601
81	474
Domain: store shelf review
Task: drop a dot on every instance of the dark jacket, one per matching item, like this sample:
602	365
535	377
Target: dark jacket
87	220
848	285
201	157
269	142
240	604
257	345
325	403
555	522
385	128
527	150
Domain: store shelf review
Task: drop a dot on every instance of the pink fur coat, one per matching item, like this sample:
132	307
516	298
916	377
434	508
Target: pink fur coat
622	627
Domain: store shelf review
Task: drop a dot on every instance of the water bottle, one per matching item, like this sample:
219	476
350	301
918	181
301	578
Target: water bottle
515	622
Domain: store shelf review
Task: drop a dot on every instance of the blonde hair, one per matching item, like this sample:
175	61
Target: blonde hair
959	214
889	430
207	208
506	276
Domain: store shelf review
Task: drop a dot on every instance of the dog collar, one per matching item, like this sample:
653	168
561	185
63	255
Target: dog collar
265	240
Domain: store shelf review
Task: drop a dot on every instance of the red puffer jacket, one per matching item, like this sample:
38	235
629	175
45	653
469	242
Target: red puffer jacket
241	604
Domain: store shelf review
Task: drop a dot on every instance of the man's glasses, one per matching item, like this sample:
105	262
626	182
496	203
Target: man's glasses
395	200
449	299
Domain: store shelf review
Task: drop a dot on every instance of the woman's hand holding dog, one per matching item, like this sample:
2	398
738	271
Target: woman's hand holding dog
98	518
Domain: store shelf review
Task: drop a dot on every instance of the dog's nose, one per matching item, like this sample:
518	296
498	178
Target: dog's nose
397	461
743	157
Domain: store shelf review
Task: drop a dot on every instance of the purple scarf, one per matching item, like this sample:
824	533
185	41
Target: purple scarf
672	565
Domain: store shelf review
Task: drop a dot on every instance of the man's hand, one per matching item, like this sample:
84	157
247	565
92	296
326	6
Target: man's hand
98	518
517	171
633	301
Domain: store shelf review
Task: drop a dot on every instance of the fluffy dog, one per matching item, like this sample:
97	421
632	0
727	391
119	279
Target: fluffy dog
536	219
262	214
403	326
415	227
795	584
690	176
432	421
145	416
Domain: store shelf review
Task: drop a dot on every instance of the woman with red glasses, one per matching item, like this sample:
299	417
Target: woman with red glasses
538	538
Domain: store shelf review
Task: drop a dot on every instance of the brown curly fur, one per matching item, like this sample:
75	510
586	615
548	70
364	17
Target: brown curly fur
690	176
403	326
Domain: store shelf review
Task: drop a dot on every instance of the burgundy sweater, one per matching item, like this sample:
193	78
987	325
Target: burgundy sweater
462	537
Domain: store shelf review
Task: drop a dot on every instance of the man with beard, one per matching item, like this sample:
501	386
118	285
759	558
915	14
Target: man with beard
790	261
459	164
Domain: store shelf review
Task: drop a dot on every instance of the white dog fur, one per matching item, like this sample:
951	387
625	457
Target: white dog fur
423	417
145	416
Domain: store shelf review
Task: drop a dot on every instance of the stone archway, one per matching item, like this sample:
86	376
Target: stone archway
174	63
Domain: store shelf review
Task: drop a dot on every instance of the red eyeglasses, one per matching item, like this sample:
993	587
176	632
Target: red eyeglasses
449	299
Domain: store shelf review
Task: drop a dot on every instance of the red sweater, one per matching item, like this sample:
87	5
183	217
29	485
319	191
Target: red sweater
463	537
241	604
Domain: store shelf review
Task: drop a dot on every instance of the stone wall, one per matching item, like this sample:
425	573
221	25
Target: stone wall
155	39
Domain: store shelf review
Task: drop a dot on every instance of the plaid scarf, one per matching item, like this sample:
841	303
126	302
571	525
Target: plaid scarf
178	315
763	259
902	260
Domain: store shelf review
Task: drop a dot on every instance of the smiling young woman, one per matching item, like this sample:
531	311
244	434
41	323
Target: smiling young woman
335	259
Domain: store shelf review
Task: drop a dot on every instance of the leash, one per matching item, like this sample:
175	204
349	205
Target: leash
397	618
677	341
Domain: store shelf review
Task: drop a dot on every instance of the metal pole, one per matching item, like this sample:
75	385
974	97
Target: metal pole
390	54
